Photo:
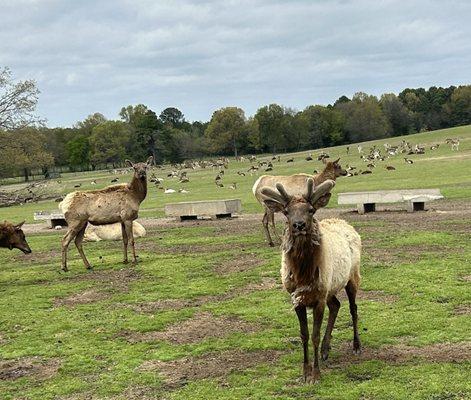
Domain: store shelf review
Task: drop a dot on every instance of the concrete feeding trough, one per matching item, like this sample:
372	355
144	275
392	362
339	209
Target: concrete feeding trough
54	218
414	199
203	209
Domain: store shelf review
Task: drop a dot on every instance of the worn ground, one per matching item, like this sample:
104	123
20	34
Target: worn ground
203	315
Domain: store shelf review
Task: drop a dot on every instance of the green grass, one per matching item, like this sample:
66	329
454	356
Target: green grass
440	168
419	274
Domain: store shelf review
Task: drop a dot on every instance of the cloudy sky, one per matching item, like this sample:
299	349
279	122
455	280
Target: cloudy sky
198	56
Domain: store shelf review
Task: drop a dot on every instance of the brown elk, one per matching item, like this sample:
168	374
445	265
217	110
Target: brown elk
118	203
318	260
295	184
13	237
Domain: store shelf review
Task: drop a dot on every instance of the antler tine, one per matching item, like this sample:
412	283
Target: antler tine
310	188
287	198
269	193
324	188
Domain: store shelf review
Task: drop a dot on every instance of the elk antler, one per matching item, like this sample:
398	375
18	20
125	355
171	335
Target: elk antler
314	194
271	194
287	198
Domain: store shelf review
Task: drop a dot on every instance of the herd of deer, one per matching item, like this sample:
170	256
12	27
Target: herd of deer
319	259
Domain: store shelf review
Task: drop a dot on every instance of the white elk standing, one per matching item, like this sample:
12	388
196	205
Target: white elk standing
118	203
318	260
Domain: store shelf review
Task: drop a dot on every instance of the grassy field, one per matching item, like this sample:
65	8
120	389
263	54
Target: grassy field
203	315
440	168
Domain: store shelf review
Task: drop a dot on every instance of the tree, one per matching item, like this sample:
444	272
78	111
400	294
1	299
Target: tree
324	126
364	119
172	116
270	125
458	108
227	130
78	151
109	141
22	151
86	126
17	102
399	117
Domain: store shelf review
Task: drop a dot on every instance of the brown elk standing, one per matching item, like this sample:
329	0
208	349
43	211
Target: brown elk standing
318	260
118	203
13	237
295	184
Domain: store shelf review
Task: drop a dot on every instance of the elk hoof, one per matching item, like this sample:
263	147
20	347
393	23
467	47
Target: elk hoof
271	244
316	376
90	267
125	261
325	352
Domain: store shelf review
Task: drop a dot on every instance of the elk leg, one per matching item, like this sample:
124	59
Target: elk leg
71	233
304	333
78	244
265	227
351	290
334	306
130	235
318	313
125	243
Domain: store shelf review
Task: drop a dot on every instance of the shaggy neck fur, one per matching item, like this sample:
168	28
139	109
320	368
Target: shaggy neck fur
302	252
6	230
139	187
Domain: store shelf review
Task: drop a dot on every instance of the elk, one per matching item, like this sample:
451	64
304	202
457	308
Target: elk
295	184
13	237
117	203
318	260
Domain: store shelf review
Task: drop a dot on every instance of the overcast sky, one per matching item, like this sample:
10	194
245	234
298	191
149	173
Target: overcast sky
198	56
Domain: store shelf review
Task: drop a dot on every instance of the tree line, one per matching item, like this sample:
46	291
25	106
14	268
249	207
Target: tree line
96	141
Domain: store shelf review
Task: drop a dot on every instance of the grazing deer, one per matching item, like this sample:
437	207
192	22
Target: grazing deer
118	203
13	237
294	184
318	260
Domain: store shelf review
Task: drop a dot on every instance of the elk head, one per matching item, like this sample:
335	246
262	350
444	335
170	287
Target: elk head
298	210
140	169
338	170
16	239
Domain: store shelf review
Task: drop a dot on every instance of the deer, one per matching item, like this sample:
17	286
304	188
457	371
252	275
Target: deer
117	203
13	237
295	184
318	260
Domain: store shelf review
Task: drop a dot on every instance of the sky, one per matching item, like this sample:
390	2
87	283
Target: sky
98	56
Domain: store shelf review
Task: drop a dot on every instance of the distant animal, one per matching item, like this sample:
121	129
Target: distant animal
114	180
390	168
219	184
233	186
240	173
366	172
268	169
295	184
77	185
169	191
289	160
183	191
93	183
13	237
309	157
348	149
408	160
118	203
96	233
360	149
318	260
184	179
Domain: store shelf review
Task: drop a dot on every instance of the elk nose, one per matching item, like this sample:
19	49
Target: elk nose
299	225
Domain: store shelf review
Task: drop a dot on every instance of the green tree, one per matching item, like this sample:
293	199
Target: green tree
78	151
399	117
227	130
324	126
172	116
271	127
458	108
109	141
86	126
364	119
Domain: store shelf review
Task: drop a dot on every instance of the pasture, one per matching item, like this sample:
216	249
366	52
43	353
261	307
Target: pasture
203	315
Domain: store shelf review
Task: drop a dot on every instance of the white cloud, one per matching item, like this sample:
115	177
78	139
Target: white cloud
200	55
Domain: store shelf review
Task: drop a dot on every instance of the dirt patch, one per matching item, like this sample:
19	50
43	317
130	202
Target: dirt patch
190	249
466	278
399	354
34	367
371	295
213	365
464	309
238	264
266	283
200	327
38	257
109	282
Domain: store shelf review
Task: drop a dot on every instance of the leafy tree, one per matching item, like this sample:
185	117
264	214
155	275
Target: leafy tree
22	151
399	117
364	119
458	108
78	151
172	116
227	130
18	102
324	126
109	141
270	125
86	126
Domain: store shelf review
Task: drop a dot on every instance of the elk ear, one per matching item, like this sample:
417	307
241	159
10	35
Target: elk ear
322	201
149	161
273	205
18	226
337	161
129	162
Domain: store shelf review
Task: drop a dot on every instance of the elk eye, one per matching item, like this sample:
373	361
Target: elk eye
312	210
